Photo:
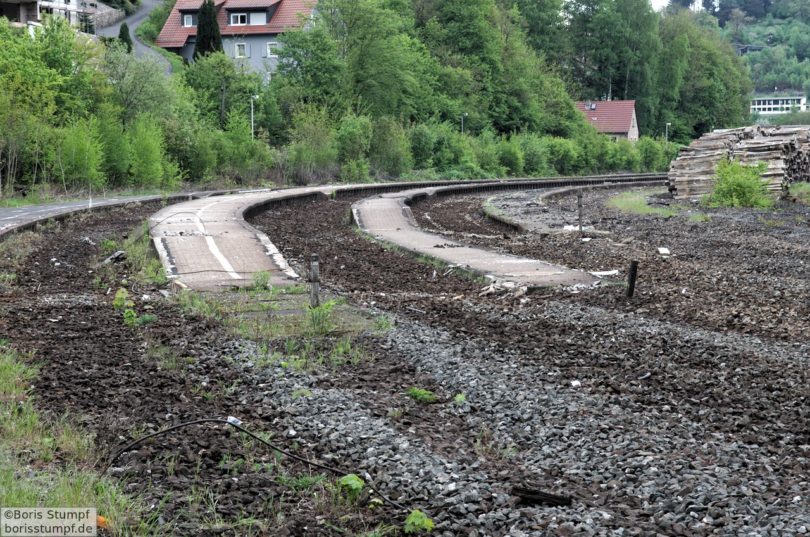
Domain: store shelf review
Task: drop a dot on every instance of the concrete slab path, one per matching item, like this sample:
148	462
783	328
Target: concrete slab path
388	217
206	244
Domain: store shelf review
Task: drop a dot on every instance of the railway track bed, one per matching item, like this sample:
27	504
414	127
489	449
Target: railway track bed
652	422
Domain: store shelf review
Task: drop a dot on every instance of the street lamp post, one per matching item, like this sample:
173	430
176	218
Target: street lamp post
666	134
252	129
462	121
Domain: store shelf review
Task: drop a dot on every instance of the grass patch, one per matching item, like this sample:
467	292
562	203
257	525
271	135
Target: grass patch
15	249
801	191
700	217
420	395
142	258
54	456
635	202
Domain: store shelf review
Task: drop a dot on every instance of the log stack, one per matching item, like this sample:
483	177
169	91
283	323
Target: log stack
785	150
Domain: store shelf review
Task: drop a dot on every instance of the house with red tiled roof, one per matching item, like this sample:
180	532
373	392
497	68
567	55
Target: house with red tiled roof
249	28
616	119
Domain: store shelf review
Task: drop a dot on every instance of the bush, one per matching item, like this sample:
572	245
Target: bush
511	157
146	140
390	148
740	185
452	149
242	158
117	150
652	155
313	153
623	156
77	156
563	155
423	141
353	138
355	171
486	148
534	156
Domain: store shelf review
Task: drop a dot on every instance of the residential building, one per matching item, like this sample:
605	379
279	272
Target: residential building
616	119
771	105
79	13
22	11
249	28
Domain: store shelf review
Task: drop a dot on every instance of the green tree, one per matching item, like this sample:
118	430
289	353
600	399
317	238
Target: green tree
77	155
209	39
139	84
124	37
220	87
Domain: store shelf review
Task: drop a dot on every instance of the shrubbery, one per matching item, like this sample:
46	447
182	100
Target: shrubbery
740	185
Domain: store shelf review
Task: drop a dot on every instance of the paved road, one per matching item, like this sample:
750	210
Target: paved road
133	21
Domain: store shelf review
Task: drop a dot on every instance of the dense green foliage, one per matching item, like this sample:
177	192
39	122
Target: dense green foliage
371	89
83	115
739	185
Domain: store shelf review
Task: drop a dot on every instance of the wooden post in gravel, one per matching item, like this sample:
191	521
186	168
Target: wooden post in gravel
314	281
579	210
632	274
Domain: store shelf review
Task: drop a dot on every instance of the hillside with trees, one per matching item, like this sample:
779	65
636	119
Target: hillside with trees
372	89
779	31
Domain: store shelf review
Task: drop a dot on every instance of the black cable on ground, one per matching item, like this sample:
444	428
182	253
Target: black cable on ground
237	424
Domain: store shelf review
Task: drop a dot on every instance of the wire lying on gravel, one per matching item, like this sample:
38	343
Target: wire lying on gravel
237	424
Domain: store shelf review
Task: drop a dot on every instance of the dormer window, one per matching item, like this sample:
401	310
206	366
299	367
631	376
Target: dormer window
239	19
189	19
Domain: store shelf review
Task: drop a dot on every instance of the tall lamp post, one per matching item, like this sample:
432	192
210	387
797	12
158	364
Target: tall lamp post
666	134
252	129
462	121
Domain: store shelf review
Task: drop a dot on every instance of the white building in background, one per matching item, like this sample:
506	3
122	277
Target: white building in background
78	13
774	105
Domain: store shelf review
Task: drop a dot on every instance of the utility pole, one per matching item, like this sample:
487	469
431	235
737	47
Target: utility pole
252	129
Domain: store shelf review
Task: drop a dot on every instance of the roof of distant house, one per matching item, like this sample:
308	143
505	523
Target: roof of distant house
609	117
289	14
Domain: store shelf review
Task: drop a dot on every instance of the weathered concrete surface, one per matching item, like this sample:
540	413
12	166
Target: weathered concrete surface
387	217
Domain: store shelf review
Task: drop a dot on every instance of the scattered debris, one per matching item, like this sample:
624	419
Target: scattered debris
117	257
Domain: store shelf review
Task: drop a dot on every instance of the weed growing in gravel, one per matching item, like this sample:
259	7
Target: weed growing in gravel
301	392
801	191
109	246
700	217
121	300
418	522
7	278
460	399
351	486
141	256
195	304
394	413
130	317
383	323
261	281
421	395
302	482
319	319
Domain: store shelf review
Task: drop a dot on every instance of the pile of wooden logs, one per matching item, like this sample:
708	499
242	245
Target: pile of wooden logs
785	150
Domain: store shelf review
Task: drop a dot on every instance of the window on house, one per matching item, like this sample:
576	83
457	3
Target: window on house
188	20
257	18
238	19
240	50
272	49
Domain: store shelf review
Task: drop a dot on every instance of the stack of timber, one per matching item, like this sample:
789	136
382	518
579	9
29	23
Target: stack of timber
785	150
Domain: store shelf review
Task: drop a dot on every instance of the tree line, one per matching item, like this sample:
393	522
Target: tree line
371	89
